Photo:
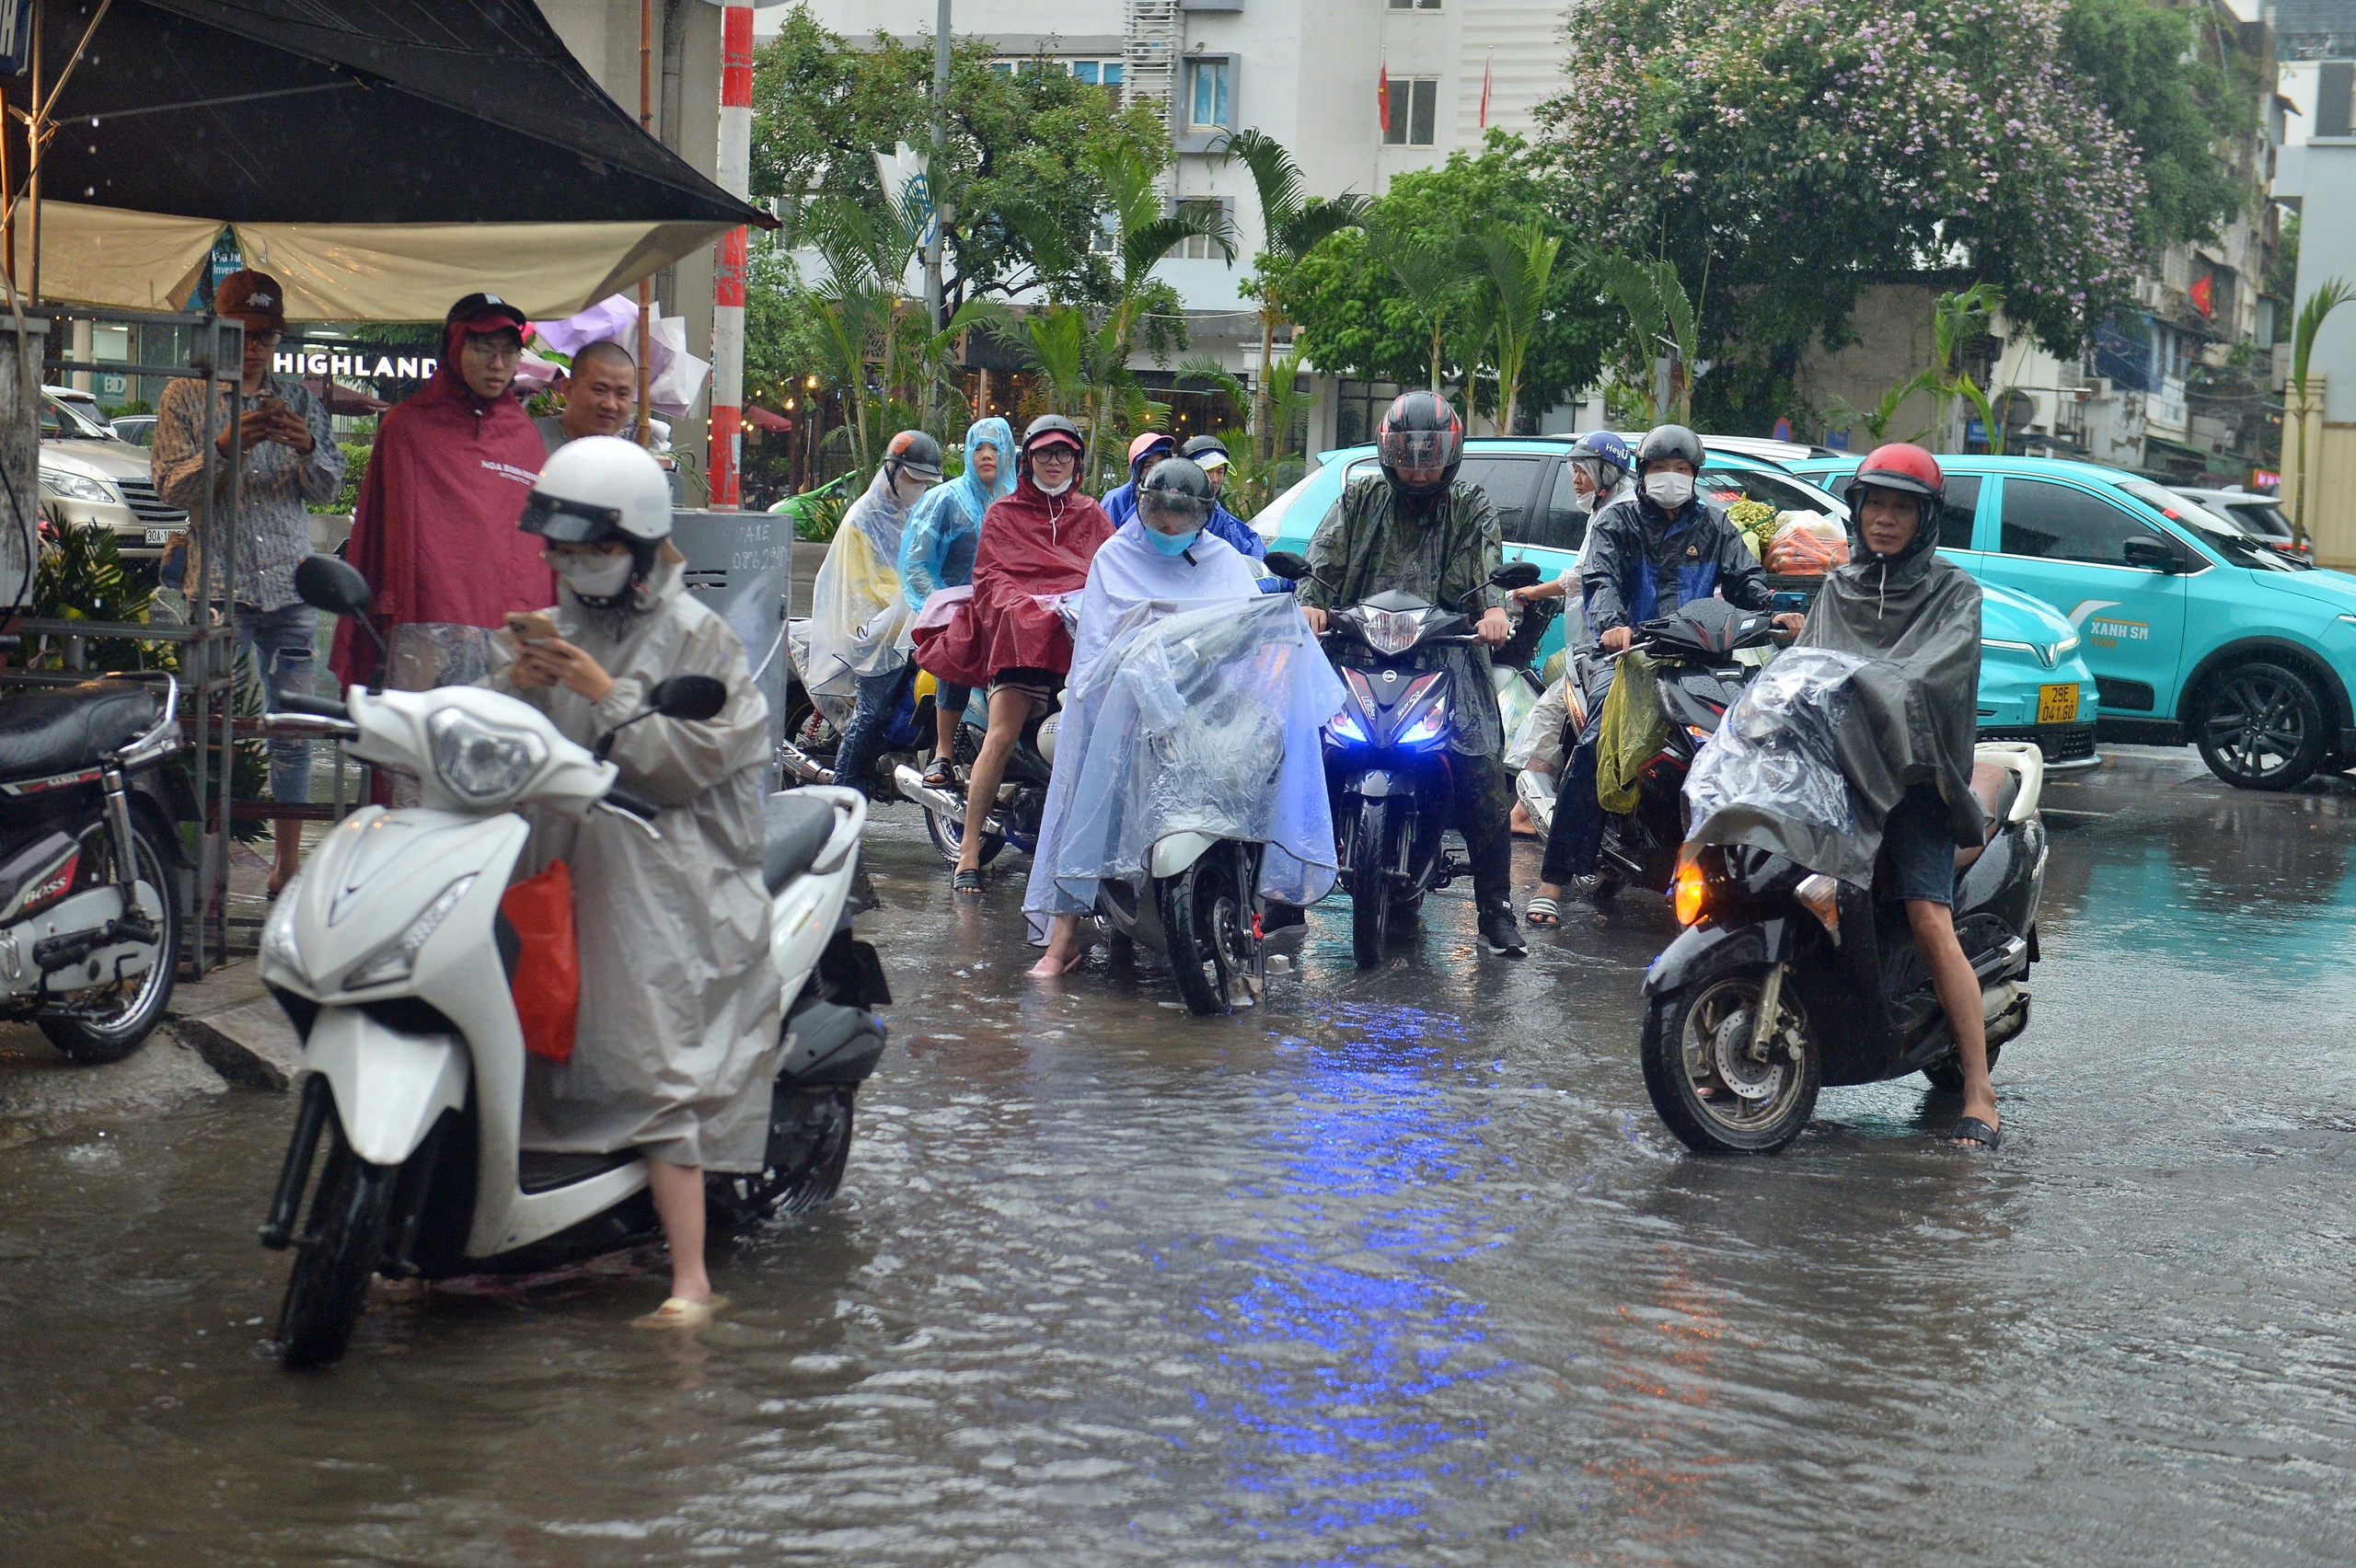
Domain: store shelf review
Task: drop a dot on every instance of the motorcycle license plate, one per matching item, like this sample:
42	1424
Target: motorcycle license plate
2057	704
159	536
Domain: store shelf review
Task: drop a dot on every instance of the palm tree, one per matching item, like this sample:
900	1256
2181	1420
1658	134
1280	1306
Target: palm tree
1958	320
1429	269
1662	321
1519	259
2328	297
1291	225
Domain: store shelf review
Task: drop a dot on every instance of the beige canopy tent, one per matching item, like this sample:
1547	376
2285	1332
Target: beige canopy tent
381	158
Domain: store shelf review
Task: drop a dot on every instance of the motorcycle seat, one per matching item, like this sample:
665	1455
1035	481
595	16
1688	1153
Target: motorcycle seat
1995	789
55	728
796	826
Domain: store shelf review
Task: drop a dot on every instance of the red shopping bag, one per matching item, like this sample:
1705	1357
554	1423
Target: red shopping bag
548	973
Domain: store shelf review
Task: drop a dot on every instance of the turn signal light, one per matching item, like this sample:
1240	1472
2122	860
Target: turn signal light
1689	892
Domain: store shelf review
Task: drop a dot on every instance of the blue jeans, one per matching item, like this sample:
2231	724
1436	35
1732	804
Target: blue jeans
281	639
1576	840
863	736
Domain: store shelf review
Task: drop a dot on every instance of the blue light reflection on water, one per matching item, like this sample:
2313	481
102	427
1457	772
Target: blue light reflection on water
1346	1356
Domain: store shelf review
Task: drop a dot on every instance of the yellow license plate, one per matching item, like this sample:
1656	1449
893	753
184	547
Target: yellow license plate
2057	704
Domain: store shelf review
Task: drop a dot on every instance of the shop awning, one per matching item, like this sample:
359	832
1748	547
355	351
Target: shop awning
381	158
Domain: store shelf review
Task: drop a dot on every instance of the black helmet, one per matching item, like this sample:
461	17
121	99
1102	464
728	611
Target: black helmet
1420	430
913	452
1045	426
1176	485
1203	443
1669	440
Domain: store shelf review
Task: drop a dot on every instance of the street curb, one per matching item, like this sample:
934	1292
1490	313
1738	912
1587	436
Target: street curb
252	1046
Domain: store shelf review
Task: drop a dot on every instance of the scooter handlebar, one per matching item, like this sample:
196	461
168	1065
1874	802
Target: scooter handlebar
622	799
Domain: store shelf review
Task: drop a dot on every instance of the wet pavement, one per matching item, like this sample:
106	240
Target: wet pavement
1398	1269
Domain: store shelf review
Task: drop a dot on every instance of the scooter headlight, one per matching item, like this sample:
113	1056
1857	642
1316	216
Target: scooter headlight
279	947
1392	631
1427	725
482	763
1345	727
396	960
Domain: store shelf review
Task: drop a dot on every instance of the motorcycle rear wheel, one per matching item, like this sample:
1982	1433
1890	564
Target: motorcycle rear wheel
948	834
109	1023
336	1253
1206	922
809	1149
1369	899
1696	1100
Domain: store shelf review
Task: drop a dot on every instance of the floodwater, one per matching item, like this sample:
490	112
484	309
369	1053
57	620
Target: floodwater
1401	1269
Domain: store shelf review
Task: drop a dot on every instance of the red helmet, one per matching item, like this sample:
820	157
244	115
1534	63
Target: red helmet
1903	467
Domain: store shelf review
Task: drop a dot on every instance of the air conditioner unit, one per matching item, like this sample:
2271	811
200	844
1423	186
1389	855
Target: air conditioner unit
2095	386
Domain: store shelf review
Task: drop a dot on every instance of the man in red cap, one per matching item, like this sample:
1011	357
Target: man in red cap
435	530
289	462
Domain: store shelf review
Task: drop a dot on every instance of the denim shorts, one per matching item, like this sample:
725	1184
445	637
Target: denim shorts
1919	838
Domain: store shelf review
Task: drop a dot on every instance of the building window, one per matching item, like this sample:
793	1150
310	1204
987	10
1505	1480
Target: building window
1414	111
1210	102
1414	5
1106	73
1198	248
1105	239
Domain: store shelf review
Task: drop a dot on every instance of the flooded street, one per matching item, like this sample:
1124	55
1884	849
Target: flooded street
1400	1269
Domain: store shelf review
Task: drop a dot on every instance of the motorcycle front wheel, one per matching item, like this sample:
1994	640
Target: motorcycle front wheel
335	1252
107	1023
1206	922
1702	1080
1369	899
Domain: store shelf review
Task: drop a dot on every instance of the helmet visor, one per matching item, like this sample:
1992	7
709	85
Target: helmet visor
563	521
1421	448
1173	506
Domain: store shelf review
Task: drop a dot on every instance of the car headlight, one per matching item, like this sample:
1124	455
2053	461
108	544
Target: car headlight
2065	646
77	487
396	959
482	763
278	943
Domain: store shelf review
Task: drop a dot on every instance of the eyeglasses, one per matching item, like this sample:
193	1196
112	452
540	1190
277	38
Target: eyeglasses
262	341
497	353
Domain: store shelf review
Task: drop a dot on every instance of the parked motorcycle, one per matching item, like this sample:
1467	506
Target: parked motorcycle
1021	791
1787	980
1699	658
392	959
91	794
1387	758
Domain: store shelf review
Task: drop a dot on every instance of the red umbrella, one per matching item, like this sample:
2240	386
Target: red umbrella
756	415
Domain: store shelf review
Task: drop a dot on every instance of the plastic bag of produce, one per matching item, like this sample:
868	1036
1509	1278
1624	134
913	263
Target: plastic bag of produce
1806	544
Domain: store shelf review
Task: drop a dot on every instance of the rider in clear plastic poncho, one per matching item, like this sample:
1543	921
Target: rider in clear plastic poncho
859	617
937	551
1194	706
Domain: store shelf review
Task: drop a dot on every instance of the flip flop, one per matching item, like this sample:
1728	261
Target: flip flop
678	1312
1972	1130
938	775
1543	912
966	882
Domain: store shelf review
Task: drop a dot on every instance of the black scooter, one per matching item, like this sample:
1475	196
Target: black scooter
1387	759
91	794
1699	676
1787	980
1021	791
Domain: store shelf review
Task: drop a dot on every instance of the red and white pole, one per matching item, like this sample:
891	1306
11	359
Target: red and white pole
728	289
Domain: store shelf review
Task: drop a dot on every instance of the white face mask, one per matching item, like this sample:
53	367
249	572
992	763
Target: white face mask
1668	492
1045	489
907	490
594	577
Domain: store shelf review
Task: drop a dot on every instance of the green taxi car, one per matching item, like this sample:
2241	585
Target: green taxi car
2195	632
2034	682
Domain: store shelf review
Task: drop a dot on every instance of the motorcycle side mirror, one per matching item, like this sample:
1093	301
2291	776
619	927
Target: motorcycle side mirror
326	583
1516	574
1285	564
692	697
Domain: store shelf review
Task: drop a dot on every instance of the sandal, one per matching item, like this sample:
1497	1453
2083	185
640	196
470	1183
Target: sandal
966	882
1543	912
1972	1131
1048	969
940	774
678	1312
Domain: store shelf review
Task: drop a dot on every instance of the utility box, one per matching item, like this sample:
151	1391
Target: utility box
739	567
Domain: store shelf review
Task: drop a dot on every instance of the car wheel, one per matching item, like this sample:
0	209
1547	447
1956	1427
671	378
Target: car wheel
2263	727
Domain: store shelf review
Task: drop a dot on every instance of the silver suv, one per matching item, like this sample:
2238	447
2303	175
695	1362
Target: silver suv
91	478
2257	514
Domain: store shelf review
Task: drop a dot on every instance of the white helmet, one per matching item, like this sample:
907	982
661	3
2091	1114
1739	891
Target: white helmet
600	487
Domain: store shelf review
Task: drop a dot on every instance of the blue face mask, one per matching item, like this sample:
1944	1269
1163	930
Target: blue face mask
1171	544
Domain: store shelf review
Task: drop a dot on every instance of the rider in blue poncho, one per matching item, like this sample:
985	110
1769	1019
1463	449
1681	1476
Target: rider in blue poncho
937	551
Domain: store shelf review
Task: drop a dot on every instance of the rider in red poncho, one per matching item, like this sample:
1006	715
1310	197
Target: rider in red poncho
1036	546
436	530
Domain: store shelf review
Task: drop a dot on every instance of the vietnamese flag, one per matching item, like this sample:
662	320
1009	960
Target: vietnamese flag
2203	294
1484	91
1382	97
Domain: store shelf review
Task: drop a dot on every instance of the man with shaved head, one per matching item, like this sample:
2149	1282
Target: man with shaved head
598	397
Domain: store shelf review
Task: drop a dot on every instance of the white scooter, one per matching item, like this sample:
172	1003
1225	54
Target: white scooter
390	955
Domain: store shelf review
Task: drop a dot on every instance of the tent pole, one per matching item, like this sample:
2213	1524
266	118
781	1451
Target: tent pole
645	285
33	165
735	171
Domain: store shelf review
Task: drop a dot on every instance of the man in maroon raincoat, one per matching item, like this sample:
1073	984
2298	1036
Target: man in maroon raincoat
1009	637
435	530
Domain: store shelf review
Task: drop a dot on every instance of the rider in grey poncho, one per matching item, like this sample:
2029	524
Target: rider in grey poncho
680	1014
